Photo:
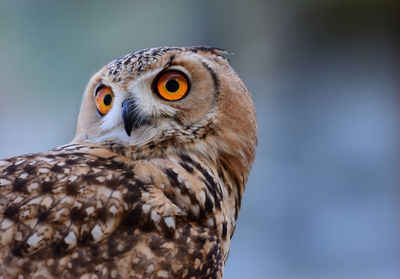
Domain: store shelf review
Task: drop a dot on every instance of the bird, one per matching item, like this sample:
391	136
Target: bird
150	186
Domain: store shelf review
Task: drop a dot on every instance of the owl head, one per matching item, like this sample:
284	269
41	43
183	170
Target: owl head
170	100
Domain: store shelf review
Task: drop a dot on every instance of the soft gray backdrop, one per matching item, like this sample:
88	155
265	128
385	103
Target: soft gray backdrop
323	197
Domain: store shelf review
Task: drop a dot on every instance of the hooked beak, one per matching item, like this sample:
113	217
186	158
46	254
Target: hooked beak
132	116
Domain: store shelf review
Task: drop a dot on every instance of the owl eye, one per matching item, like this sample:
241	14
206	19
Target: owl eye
172	85
104	98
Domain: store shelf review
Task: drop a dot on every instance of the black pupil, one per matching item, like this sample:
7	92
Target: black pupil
107	99
172	85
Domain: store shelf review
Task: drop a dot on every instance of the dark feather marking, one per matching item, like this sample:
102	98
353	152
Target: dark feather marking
139	183
43	214
133	195
148	225
131	219
239	197
101	214
16	250
186	166
123	180
11	212
90	178
168	231
94	163
201	241
66	146
208	204
208	180
56	169
46	187
29	169
19	185
113	183
215	79
172	177
173	180
59	247
72	189
77	215
72	161
186	158
170	62
86	239
11	169
224	230
155	243
203	171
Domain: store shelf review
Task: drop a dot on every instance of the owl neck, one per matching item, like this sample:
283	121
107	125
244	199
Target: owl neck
230	159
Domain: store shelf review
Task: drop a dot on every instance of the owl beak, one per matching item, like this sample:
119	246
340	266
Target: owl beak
132	116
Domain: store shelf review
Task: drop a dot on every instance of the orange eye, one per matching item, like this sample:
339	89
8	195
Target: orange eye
172	85
104	98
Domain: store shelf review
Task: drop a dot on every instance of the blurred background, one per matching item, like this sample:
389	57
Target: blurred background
323	199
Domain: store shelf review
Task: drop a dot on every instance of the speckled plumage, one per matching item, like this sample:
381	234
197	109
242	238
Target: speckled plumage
160	203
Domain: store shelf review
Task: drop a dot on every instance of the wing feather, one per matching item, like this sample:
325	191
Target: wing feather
83	209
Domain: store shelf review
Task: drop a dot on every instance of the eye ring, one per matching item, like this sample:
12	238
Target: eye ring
104	99
171	85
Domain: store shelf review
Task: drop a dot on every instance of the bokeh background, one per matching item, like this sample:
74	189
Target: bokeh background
323	199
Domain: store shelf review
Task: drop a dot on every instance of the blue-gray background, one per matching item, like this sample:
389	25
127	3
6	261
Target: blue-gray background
323	199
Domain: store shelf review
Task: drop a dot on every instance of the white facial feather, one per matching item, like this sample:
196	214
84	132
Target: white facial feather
147	103
144	97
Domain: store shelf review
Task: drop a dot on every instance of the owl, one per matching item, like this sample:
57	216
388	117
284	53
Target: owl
151	184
